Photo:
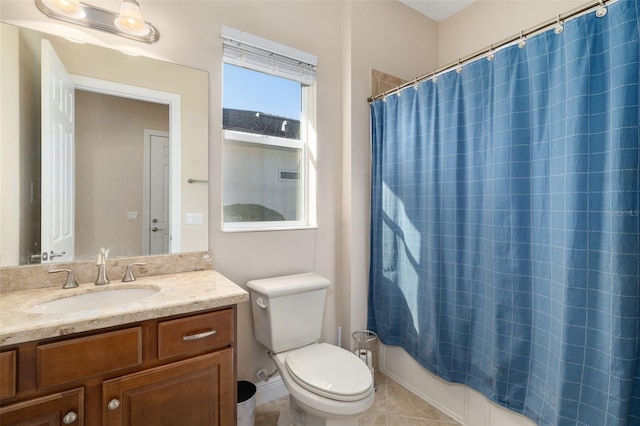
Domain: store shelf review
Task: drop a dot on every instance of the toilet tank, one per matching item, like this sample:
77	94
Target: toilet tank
288	310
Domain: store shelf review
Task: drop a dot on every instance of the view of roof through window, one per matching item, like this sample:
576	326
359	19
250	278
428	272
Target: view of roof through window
256	102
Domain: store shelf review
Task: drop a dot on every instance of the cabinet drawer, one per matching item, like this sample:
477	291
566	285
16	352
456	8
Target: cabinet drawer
64	407
199	332
7	374
84	357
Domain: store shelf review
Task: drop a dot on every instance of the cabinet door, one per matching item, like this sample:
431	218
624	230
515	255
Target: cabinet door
65	408
8	374
198	391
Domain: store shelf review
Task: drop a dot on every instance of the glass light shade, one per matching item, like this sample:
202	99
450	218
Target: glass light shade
131	20
70	8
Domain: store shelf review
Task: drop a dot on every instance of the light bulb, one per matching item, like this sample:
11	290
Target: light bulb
130	20
70	8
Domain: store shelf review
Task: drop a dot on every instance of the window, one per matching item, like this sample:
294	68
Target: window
268	108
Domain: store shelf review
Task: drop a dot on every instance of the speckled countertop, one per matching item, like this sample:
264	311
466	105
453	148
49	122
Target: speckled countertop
178	293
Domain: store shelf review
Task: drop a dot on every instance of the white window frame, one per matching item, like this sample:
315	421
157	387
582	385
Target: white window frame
306	144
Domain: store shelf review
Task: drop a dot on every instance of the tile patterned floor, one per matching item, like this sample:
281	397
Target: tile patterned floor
394	406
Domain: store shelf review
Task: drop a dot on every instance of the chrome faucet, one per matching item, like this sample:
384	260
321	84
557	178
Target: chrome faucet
71	280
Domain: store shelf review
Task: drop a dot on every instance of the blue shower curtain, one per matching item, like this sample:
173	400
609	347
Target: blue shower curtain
505	223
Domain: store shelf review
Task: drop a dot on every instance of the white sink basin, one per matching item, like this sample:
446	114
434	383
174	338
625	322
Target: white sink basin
96	299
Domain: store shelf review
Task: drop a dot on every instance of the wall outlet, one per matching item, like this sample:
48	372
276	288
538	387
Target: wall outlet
195	219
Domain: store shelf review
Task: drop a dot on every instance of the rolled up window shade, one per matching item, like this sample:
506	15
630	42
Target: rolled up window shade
249	51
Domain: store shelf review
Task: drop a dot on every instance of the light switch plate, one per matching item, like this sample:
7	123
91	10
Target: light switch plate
132	215
195	219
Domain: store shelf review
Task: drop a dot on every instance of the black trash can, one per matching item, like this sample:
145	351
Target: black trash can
246	403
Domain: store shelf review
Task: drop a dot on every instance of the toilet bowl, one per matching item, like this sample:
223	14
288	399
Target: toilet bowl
327	383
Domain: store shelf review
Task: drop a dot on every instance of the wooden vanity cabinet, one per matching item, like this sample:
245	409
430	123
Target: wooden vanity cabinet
169	371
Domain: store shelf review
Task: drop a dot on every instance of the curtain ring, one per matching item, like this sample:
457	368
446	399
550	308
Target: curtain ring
435	76
559	28
491	56
459	67
523	40
602	10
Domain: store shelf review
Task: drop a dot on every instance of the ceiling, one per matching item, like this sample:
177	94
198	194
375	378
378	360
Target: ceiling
438	10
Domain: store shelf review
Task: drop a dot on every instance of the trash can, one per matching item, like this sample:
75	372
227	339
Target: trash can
366	348
246	403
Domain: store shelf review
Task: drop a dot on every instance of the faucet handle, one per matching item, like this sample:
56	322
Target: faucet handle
71	279
128	275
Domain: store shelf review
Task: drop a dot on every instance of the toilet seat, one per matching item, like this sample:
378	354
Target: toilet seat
329	371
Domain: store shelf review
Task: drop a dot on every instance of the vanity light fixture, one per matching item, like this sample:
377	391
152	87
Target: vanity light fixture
129	23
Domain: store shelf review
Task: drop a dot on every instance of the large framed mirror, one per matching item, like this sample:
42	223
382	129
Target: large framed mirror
98	149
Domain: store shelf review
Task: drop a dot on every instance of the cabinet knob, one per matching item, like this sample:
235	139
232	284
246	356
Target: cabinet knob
113	404
71	417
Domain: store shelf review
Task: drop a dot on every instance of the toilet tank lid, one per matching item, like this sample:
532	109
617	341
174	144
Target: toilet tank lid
289	284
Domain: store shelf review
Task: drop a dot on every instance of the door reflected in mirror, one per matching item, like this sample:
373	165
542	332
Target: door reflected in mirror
106	162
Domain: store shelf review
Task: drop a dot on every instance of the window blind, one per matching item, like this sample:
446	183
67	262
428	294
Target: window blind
249	51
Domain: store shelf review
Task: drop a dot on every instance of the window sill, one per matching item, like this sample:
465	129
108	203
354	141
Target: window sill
267	228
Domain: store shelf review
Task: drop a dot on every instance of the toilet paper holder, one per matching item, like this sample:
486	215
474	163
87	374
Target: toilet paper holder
366	348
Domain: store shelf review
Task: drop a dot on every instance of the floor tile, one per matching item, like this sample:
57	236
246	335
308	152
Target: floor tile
393	406
401	402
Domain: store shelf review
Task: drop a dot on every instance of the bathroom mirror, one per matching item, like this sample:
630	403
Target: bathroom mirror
127	171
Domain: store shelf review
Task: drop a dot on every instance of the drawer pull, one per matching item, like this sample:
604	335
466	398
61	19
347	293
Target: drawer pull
71	417
113	404
198	335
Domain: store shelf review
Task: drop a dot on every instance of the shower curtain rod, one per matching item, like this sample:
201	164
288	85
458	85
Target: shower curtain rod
560	19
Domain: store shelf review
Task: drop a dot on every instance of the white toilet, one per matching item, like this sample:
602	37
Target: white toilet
328	385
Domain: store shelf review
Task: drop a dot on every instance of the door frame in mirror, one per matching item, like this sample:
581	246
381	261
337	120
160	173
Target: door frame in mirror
173	101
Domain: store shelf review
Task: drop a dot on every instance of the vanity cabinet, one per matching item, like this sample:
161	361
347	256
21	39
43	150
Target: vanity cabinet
167	371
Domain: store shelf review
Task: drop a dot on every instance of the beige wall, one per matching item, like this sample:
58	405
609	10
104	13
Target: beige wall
109	170
487	22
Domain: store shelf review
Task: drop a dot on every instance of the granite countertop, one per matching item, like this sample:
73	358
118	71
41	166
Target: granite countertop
178	293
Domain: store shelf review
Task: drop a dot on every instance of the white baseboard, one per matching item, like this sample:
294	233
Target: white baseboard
270	391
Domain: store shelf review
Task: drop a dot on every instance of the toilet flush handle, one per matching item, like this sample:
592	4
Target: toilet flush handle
261	303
